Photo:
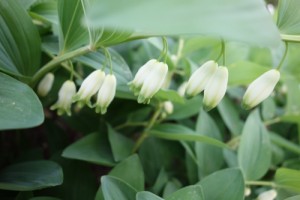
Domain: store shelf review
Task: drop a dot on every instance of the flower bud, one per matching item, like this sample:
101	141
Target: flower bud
260	88
200	78
267	195
65	95
106	93
140	77
89	87
45	84
153	82
168	107
181	89
216	88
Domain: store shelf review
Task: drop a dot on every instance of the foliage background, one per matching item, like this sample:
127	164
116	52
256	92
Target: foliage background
189	154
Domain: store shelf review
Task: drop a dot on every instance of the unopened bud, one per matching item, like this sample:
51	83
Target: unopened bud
267	195
45	84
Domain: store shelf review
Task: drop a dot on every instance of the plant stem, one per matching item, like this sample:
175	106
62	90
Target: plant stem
56	61
262	183
272	121
144	134
284	56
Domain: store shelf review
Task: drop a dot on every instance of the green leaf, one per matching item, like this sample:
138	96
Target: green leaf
284	143
46	10
209	158
172	186
73	33
288	19
130	171
191	17
31	176
244	72
19	105
144	195
20	43
114	188
169	95
26	3
193	192
288	179
182	133
160	181
44	198
121	146
230	116
189	108
93	148
227	184
293	198
254	153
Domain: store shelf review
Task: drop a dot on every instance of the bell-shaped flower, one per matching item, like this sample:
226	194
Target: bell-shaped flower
106	93
268	195
261	88
153	82
140	77
200	78
45	84
216	88
65	95
89	87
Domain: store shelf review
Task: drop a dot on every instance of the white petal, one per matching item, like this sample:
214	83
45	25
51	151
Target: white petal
45	84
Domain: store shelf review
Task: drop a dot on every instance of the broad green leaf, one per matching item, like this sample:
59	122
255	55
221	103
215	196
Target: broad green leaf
254	153
46	10
144	195
19	40
193	192
227	184
172	186
93	148
19	105
73	33
121	146
32	175
114	188
288	19
209	158
293	95
191	168
230	116
120	68
192	17
182	133
160	182
189	108
169	95
268	109
293	198
288	179
130	171
284	143
26	3
244	72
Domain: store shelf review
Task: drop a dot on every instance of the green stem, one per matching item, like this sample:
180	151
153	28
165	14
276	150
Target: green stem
56	61
272	121
284	55
108	58
222	52
130	124
261	183
144	134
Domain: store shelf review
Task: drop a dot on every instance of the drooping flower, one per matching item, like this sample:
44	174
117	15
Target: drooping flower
153	81
216	88
89	87
45	84
140	77
260	88
200	78
106	93
65	95
267	195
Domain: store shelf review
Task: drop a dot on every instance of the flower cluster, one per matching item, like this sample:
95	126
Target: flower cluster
261	88
212	79
148	80
97	81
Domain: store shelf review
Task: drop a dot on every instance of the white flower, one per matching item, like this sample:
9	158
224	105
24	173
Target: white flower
153	82
65	95
216	88
45	84
106	93
168	107
267	195
141	75
182	88
89	87
200	78
260	88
